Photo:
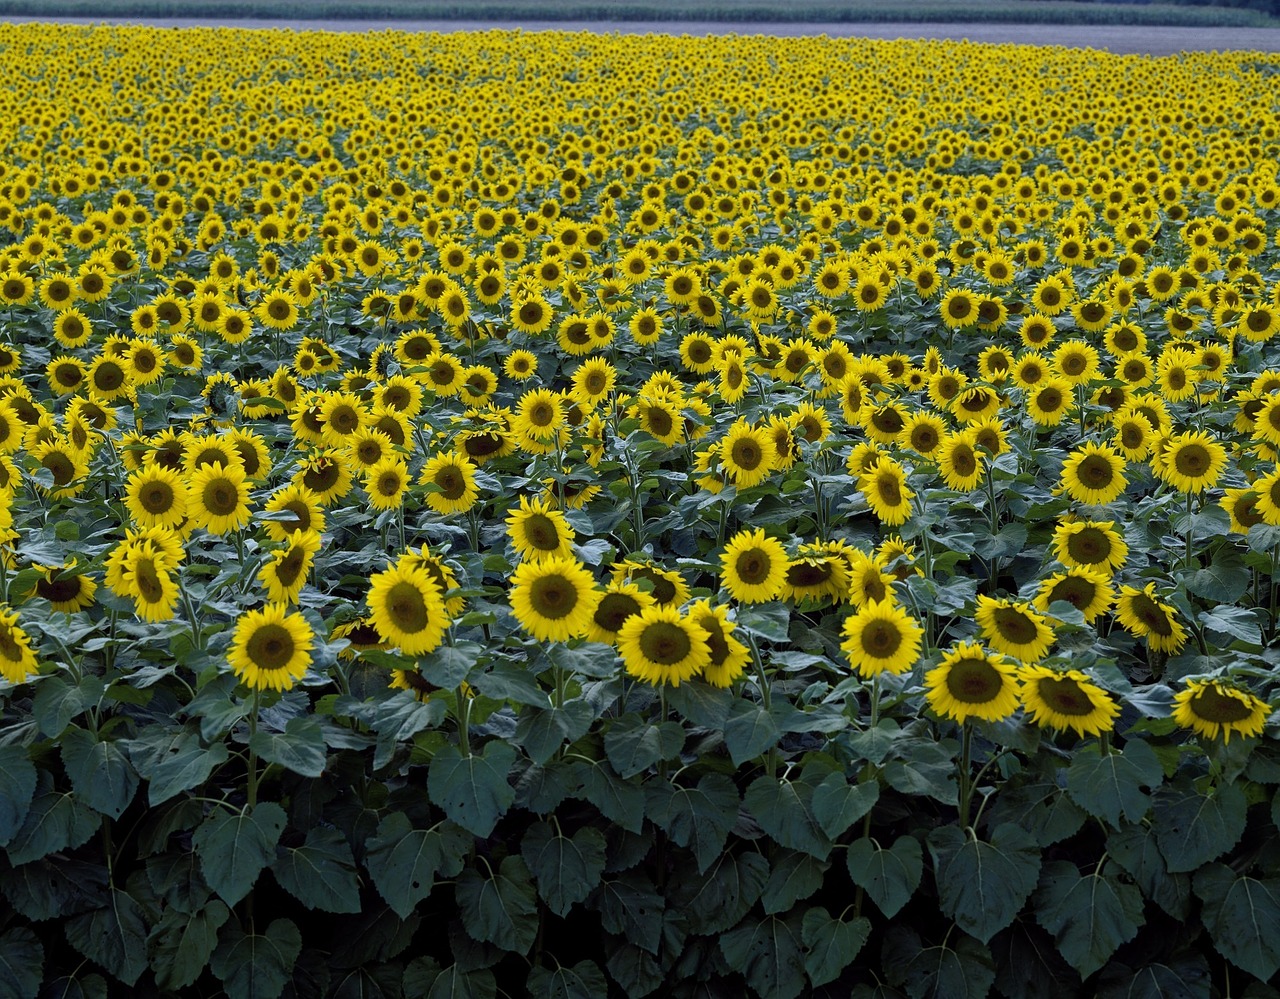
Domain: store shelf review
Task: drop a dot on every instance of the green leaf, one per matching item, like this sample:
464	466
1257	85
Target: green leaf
618	800
1194	828
473	790
1241	914
890	877
795	876
584	980
182	943
100	774
174	760
543	731
321	874
299	748
53	888
1135	849
924	768
769	954
234	847
56	821
962	971
57	702
717	899
404	861
830	944
423	977
634	969
115	937
837	804
565	868
1042	808
500	908
630	908
782	808
1028	965
1187	978
17	788
1090	916
21	963
504	682
1225	581
1109	785
749	731
1237	623
256	965
982	886
449	665
75	985
699	817
701	703
771	621
633	744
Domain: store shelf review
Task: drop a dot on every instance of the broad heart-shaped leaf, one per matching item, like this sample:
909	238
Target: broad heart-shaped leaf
1041	808
958	968
982	886
584	980
1109	785
55	887
17	788
634	744
769	954
634	969
749	731
1194	828
234	847
889	876
57	702
55	821
830	944
1137	850
76	983
1241	915
182	943
423	977
100	774
300	747
321	874
619	801
499	907
473	790
719	897
1028	964
630	908
256	965
837	804
699	817
115	937
174	760
541	732
404	861
783	810
566	868
21	963
1089	915
795	876
1187	977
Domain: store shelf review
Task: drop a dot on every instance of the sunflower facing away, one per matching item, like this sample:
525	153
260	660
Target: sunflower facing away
972	683
1067	699
271	648
1214	708
662	646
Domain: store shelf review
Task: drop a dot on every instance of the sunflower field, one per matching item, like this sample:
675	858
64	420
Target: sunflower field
575	515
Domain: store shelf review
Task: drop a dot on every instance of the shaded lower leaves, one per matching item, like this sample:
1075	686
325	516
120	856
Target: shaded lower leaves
958	968
404	861
115	937
321	873
831	944
234	847
770	954
182	943
983	885
499	907
472	789
256	965
1241	914
889	876
565	868
1089	915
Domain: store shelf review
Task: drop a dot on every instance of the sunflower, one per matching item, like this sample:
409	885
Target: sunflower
531	315
660	645
407	608
1191	461
65	589
959	462
923	432
538	531
67	464
881	637
145	576
1141	614
970	682
296	509
620	601
815	575
270	648
285	572
218	498
343	414
386	483
554	599
729	657
1066	699
156	497
885	488
72	328
1131	434
278	310
1049	402
1243	507
1086	590
666	585
109	379
959	308
659	416
326	474
1086	544
1013	628
1213	708
368	447
455	480
1093	474
746	455
17	660
753	566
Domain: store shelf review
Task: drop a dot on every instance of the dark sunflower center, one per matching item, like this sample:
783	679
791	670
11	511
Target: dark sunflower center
974	681
1132	435
959	308
1089	546
531	313
278	309
1095	471
1192	460
613	611
665	643
9	647
747	454
389	483
963	460
1065	697
1214	706
664	590
323	478
289	568
344	419
407	608
881	639
1246	510
59	591
809	573
1151	614
542	414
221	497
61	466
1074	364
1049	400
270	647
108	376
451	482
540	532
553	596
889	489
888	421
147	580
156	497
1015	627
753	566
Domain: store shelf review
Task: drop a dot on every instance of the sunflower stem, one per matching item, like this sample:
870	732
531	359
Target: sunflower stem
464	721
197	639
1187	559
1104	743
966	761
251	792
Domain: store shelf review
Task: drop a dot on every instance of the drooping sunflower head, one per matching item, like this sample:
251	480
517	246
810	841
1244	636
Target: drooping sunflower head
1214	708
